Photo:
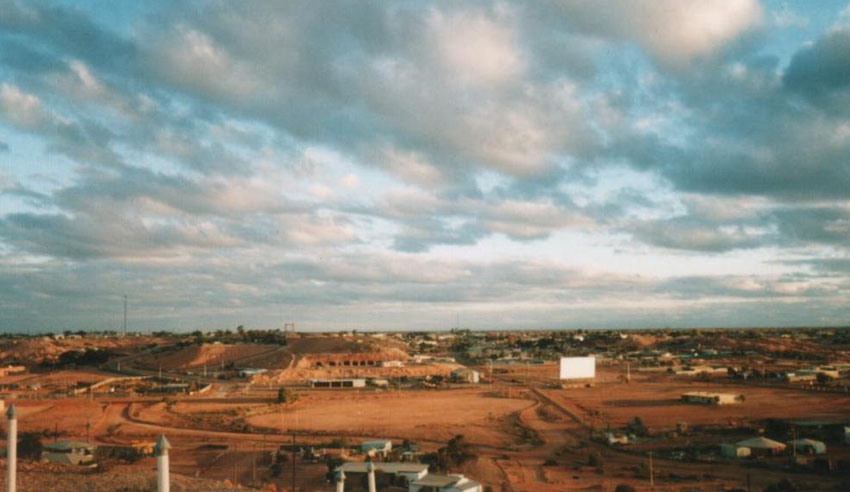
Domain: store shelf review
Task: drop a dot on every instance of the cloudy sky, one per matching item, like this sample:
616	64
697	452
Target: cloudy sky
413	165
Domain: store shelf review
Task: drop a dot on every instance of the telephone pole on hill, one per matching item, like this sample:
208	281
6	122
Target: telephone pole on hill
125	315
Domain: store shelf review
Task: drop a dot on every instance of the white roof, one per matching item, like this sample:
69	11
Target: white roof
360	467
760	443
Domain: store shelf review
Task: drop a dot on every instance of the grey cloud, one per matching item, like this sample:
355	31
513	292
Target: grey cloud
65	30
86	237
822	71
405	291
691	234
420	234
133	212
819	225
749	287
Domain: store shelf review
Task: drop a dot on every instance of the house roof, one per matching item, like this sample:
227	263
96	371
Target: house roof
808	442
64	446
761	443
360	467
376	444
59	458
434	480
467	485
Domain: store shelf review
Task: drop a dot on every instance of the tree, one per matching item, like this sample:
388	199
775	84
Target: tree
637	427
284	395
624	488
199	336
30	446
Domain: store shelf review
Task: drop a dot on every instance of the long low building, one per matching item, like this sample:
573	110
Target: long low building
708	398
408	471
338	383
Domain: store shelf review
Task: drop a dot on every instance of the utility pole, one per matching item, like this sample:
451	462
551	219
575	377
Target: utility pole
794	430
125	315
651	472
293	460
235	474
628	372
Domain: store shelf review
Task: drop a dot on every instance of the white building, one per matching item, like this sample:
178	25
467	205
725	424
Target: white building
381	447
466	375
445	483
734	451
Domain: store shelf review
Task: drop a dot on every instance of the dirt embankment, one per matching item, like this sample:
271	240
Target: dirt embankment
34	351
194	356
299	374
43	477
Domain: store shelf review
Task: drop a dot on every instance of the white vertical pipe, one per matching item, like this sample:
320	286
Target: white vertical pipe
340	481
12	449
370	467
161	451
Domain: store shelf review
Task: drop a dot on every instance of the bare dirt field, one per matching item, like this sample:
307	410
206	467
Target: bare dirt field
660	407
61	378
69	416
427	415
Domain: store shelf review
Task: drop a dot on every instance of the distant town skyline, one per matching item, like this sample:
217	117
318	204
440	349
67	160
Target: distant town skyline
422	165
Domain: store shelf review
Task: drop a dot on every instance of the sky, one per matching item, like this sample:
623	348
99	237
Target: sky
380	165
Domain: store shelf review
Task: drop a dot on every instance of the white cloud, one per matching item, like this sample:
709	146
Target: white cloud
193	59
350	181
672	31
21	108
476	48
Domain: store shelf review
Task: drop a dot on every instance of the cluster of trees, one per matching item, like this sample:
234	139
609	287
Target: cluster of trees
456	453
87	357
241	335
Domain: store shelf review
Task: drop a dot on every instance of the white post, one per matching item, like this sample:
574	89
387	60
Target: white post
340	481
370	468
161	452
12	449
